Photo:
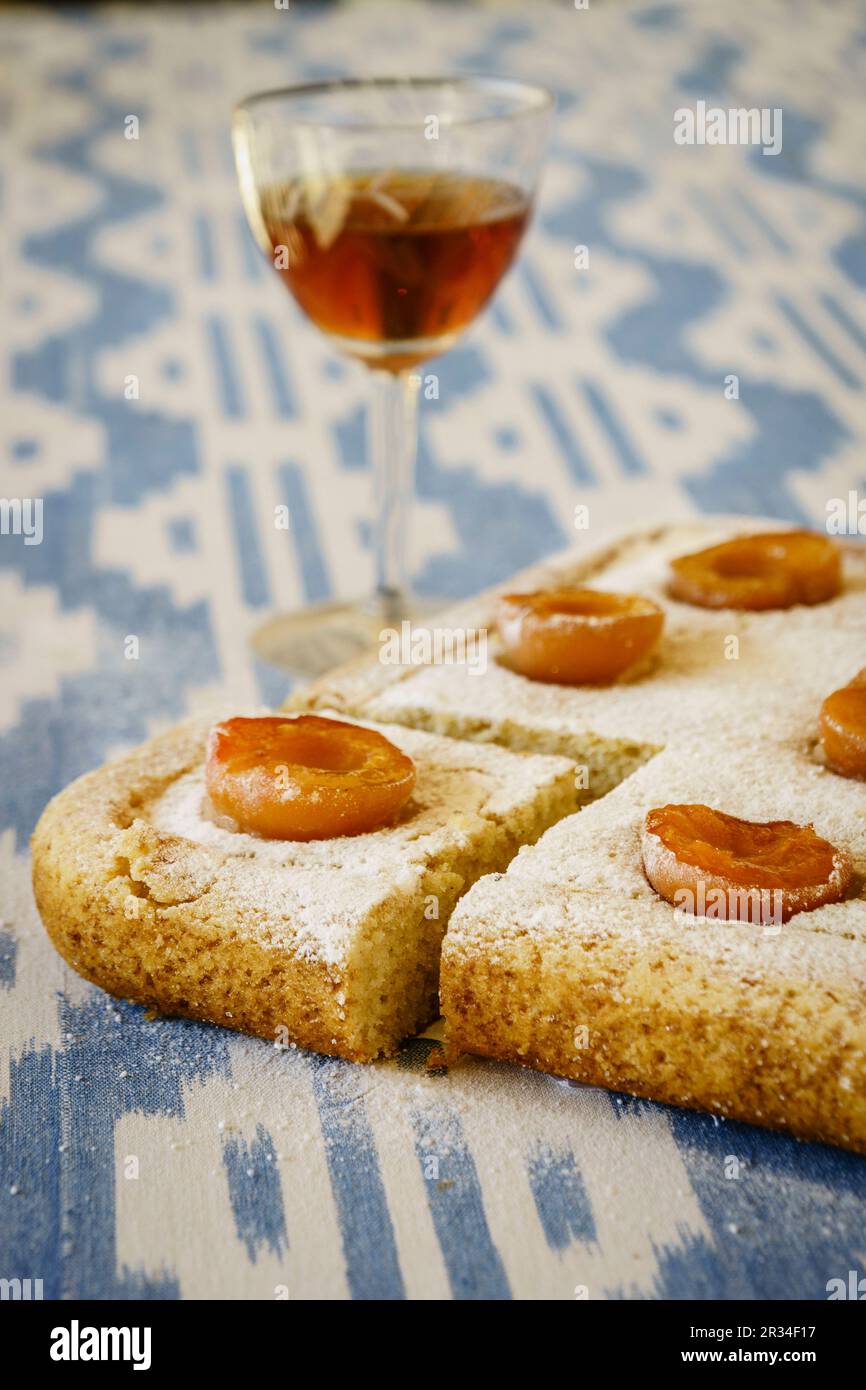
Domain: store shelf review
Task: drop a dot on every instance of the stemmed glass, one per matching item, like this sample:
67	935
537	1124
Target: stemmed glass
391	208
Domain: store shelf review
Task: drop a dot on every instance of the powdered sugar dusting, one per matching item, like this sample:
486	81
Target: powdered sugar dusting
323	888
732	699
711	671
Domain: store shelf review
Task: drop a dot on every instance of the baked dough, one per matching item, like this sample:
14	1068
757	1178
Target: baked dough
332	944
570	962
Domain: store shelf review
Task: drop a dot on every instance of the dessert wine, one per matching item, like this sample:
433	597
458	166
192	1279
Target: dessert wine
393	263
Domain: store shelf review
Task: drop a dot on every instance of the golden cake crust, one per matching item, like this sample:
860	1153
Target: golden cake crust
712	1018
156	902
571	962
568	962
141	913
573	943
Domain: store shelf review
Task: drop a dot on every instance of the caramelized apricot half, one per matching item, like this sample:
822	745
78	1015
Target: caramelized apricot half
715	865
843	728
775	569
577	636
305	777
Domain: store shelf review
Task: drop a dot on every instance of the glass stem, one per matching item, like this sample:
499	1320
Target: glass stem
392	442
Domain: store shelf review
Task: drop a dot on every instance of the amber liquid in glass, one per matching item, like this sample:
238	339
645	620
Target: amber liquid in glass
394	263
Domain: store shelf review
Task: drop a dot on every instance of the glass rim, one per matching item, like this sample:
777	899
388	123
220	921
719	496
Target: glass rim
538	99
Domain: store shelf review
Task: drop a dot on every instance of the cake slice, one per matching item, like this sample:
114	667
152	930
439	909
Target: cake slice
571	963
332	944
712	671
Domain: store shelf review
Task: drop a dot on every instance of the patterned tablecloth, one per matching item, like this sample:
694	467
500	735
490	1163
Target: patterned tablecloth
161	396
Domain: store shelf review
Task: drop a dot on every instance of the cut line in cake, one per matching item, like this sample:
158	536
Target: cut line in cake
763	1023
517	835
331	944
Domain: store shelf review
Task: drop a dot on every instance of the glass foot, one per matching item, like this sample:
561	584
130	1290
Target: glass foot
313	640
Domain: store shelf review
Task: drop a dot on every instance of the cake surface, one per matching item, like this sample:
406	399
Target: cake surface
570	962
332	944
713	670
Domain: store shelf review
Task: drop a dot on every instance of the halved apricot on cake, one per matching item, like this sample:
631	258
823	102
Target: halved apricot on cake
843	728
577	636
306	778
331	943
774	569
570	963
708	863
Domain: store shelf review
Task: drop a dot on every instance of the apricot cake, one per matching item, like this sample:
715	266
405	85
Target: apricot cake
696	934
712	669
572	963
292	882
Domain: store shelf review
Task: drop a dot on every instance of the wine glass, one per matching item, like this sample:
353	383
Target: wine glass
391	208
